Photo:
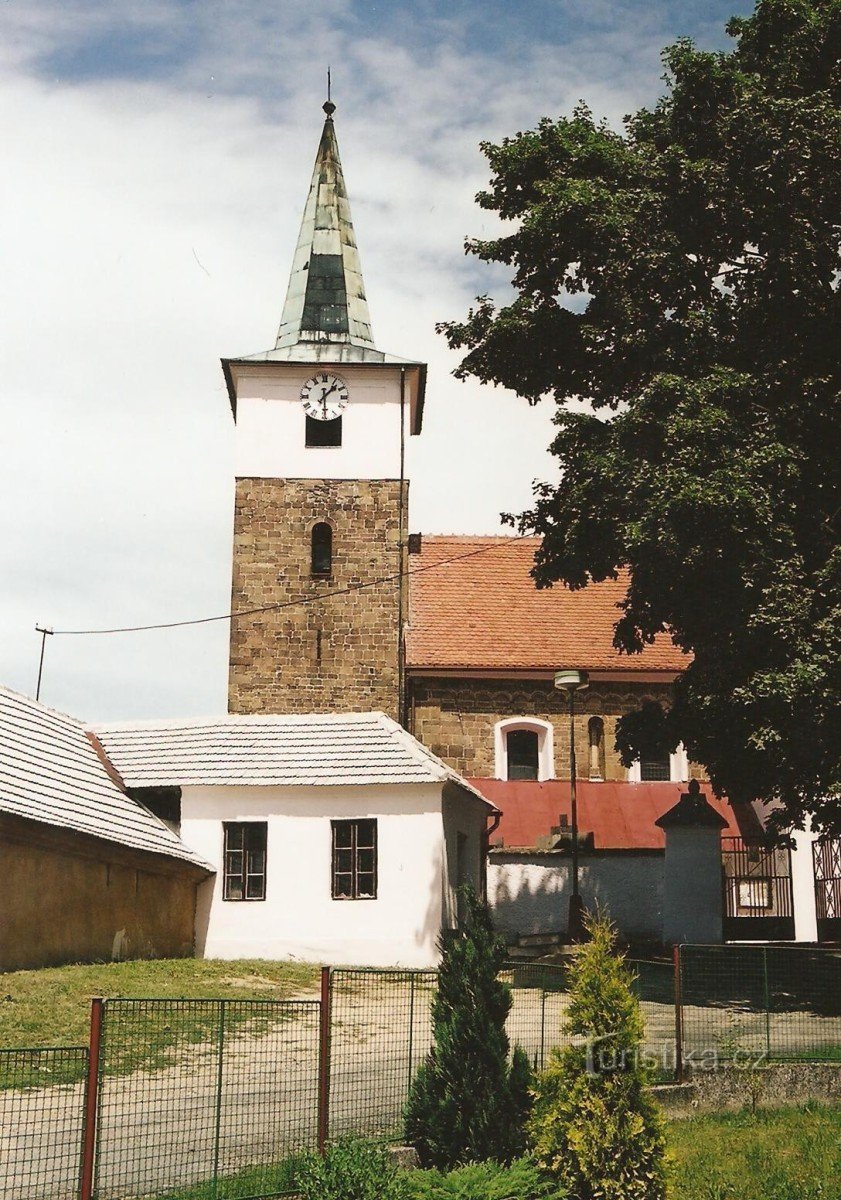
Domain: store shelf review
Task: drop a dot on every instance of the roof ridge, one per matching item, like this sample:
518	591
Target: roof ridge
39	705
231	719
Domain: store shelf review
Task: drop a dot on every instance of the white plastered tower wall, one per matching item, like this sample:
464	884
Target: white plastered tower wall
270	438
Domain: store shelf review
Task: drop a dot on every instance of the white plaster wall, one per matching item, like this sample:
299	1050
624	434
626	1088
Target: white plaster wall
692	894
467	816
803	886
299	919
531	895
270	427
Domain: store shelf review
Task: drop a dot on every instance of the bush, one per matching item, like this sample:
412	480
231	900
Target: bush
351	1170
467	1103
594	1126
522	1180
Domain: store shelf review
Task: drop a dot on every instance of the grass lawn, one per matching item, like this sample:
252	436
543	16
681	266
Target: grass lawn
51	1006
776	1154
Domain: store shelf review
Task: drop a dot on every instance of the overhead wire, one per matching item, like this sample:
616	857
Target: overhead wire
298	601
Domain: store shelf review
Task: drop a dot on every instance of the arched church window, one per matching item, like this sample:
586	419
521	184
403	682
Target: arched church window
322	549
523	749
523	754
595	733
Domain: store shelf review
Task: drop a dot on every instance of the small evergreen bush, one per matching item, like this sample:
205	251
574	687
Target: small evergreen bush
522	1180
594	1126
467	1102
351	1170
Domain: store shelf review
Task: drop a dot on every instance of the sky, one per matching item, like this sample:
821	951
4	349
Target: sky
156	158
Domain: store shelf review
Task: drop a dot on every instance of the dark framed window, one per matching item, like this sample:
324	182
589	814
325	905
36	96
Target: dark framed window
523	754
354	860
245	860
322	549
324	433
655	770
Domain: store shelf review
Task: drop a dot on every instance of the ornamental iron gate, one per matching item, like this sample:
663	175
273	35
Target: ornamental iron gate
758	894
826	858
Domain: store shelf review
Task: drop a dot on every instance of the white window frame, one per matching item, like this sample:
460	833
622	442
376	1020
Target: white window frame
545	731
678	768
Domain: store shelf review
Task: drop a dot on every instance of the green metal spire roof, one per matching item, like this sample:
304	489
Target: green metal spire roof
325	315
326	301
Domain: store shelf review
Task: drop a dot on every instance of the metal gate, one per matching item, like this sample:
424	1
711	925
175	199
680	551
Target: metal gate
758	894
826	858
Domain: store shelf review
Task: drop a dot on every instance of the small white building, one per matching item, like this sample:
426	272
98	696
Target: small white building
335	838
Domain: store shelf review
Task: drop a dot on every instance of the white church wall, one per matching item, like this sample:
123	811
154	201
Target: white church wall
299	918
530	894
271	426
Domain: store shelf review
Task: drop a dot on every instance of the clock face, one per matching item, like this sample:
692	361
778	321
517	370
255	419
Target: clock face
324	397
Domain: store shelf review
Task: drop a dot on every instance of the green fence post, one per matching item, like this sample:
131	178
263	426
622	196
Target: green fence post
411	1030
218	1130
767	1002
542	1027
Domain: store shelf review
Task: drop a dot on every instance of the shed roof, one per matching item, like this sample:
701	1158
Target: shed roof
50	772
619	815
474	606
315	749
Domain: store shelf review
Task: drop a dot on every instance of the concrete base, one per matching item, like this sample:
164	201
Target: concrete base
732	1088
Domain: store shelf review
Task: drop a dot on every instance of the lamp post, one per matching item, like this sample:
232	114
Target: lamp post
572	681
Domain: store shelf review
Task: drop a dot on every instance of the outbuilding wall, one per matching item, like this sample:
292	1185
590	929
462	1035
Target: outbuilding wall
299	918
67	898
530	893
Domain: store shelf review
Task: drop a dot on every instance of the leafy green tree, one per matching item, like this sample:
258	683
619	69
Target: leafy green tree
594	1125
467	1102
683	277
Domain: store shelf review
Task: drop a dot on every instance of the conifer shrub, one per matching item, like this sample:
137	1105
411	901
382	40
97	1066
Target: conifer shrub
467	1102
522	1180
594	1125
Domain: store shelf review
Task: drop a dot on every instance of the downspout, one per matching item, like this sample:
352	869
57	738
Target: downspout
490	830
401	537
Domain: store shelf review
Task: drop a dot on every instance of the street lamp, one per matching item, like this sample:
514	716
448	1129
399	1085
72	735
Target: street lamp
571	681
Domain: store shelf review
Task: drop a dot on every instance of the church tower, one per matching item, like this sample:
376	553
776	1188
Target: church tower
321	493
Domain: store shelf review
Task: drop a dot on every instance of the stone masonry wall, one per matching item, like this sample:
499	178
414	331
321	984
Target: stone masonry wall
339	653
455	718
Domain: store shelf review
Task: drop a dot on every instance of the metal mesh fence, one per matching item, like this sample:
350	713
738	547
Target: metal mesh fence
207	1095
748	1003
42	1108
381	1031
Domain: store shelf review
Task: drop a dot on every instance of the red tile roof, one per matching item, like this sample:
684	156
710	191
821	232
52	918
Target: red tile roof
483	611
620	816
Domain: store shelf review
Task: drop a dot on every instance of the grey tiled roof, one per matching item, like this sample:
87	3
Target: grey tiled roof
321	749
50	772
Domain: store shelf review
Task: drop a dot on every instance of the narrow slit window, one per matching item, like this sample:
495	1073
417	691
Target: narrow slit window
322	549
523	754
324	433
245	860
354	860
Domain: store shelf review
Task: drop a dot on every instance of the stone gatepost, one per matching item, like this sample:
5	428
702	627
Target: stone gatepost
692	888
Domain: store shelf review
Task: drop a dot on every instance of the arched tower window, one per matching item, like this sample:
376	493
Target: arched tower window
595	733
322	549
524	749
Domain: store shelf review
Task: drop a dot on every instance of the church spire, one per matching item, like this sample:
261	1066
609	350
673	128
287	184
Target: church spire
325	301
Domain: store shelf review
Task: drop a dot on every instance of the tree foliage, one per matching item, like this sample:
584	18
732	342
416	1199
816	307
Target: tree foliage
594	1125
683	275
467	1102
